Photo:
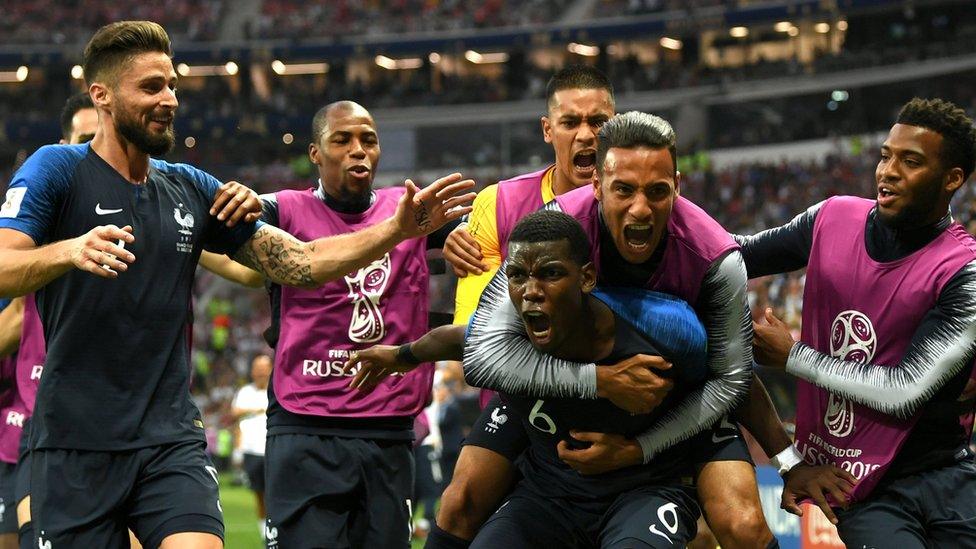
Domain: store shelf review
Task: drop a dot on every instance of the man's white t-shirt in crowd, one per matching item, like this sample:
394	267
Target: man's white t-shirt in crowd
254	428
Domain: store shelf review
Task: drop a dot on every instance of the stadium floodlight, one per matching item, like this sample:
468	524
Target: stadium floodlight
77	72
288	139
485	58
739	32
839	95
783	26
283	69
794	31
842	25
189	142
18	75
390	64
229	68
822	28
583	49
434	58
671	43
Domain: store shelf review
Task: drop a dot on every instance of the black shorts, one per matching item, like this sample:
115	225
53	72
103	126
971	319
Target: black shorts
724	442
328	491
22	483
650	516
498	430
932	509
8	499
254	469
90	499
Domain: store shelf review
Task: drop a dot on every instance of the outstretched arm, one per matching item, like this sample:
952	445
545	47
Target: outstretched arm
286	260
941	347
379	361
780	249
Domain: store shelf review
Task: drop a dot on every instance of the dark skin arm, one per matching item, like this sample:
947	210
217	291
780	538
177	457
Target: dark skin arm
380	361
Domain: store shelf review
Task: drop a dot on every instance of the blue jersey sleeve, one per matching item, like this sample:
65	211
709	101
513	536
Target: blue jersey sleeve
218	238
38	189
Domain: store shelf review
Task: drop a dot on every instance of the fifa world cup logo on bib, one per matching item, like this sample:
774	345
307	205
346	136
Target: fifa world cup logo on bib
852	338
366	287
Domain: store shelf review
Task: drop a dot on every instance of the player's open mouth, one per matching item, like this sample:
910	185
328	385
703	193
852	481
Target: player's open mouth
585	162
163	121
359	171
538	324
886	196
638	236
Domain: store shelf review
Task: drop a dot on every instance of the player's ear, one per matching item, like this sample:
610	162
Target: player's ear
546	129
953	180
677	183
101	95
313	154
588	274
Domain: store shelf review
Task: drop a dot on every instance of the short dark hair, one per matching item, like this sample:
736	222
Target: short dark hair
115	44
578	77
75	103
949	121
320	120
553	226
636	129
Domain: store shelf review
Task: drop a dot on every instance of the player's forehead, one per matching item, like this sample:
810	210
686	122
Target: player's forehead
905	138
640	166
145	66
351	121
581	102
529	254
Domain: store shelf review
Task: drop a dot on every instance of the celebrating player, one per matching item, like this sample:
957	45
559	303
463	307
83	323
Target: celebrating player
887	344
340	463
96	411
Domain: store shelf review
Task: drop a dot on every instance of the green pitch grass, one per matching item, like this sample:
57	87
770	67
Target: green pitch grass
240	517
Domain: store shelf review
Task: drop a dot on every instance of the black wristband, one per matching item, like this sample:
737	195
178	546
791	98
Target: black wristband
405	354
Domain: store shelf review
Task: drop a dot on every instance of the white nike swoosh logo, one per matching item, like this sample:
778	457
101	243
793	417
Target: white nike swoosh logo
100	211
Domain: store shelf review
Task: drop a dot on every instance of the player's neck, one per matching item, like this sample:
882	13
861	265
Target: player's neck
560	183
592	336
347	203
131	163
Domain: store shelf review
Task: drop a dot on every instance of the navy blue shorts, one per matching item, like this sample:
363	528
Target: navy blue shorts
8	499
936	508
91	499
724	442
499	430
327	491
254	469
649	516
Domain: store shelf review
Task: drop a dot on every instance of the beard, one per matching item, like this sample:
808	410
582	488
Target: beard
918	212
137	134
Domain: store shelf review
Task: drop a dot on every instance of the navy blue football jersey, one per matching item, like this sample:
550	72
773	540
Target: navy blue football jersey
117	374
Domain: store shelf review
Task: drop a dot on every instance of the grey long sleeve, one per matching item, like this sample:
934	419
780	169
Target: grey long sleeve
724	311
941	346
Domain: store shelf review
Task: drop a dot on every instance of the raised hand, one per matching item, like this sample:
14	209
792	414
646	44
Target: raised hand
421	212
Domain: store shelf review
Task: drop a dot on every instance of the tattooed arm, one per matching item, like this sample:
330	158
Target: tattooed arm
284	259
